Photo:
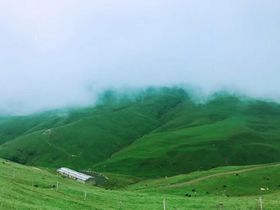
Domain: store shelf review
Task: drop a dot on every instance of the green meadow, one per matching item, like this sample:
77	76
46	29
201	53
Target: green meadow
26	187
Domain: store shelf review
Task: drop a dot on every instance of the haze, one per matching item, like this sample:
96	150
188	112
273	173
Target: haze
59	53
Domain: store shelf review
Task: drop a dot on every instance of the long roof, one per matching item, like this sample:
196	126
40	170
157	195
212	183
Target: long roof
74	174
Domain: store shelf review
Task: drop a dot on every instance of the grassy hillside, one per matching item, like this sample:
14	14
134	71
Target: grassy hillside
224	131
154	133
225	181
23	187
13	127
84	137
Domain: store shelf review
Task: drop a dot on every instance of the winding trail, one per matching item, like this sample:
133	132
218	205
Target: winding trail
196	180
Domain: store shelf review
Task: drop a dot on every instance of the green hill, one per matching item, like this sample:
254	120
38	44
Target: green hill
23	187
152	133
224	131
80	138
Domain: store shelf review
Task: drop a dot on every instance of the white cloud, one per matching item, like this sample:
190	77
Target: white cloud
53	51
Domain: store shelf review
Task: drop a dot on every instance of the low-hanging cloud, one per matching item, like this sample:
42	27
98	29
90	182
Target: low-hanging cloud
61	53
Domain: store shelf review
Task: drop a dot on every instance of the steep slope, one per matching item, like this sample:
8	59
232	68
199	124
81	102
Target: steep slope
96	134
224	131
13	127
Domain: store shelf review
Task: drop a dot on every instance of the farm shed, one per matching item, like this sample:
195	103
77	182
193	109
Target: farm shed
74	174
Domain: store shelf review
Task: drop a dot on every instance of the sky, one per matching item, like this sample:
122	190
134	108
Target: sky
60	53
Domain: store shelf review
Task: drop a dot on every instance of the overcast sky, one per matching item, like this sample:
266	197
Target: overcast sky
56	53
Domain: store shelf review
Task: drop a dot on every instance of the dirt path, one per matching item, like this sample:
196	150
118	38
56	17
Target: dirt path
193	181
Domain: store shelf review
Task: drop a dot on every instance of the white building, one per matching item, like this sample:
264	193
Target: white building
74	174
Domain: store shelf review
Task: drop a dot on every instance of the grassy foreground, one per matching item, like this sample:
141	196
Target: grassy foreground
23	187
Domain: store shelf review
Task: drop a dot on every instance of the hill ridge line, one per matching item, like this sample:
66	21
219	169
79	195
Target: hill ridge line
152	131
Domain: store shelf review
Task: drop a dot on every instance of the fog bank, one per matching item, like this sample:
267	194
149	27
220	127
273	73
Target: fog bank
63	53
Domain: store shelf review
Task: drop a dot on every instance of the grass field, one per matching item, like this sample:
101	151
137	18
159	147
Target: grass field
23	187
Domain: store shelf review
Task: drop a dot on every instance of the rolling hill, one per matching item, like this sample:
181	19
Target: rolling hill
152	133
80	138
224	131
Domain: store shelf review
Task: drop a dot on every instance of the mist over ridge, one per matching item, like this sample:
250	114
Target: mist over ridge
64	54
134	94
